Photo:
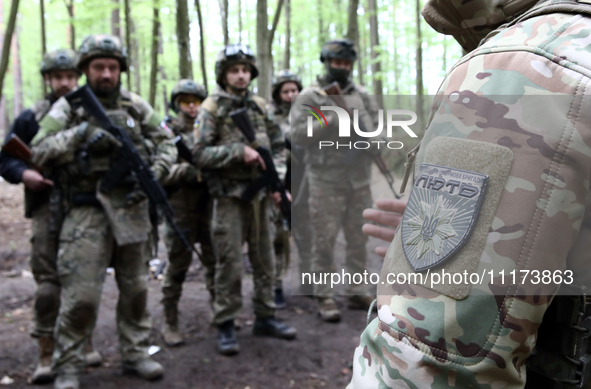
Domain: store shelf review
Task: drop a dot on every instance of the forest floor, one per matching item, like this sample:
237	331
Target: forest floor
320	357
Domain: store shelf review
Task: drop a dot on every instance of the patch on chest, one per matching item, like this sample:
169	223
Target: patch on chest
441	212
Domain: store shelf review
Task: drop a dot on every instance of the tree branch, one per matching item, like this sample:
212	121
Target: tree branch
275	23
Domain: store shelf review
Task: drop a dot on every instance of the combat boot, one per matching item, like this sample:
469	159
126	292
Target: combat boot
43	373
147	369
227	343
170	329
279	299
270	326
328	311
66	382
360	302
92	357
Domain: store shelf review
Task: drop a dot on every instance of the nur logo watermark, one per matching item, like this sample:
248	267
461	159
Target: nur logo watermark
393	120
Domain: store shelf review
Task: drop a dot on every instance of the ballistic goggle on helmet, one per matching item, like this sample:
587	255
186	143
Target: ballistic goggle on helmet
233	54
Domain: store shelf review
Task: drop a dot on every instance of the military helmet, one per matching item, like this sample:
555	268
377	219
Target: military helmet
188	87
281	78
340	49
61	59
233	54
102	46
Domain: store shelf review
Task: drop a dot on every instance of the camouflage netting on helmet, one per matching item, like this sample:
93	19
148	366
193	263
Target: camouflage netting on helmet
281	78
102	46
186	87
469	22
231	55
61	59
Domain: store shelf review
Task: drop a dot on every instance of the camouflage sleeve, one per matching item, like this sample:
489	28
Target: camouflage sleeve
59	117
166	152
299	116
57	148
205	153
277	141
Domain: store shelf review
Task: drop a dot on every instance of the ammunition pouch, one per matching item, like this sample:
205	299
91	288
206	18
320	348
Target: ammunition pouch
84	198
561	358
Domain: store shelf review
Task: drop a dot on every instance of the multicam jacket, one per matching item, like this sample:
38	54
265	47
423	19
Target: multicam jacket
219	145
329	166
516	109
58	145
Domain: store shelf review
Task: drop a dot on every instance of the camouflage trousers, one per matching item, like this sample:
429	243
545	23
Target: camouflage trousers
87	248
331	208
280	236
193	218
44	244
301	232
233	222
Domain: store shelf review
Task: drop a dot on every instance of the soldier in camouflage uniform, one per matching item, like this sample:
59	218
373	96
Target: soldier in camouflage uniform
232	166
190	200
339	192
102	229
488	118
58	68
285	85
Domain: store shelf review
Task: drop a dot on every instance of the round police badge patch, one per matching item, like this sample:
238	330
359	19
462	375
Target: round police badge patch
442	209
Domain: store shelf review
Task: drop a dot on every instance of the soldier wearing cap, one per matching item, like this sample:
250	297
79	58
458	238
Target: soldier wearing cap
102	228
233	165
286	86
190	200
59	71
339	189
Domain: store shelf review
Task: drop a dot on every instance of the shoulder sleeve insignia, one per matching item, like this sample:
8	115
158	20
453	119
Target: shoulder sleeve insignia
441	213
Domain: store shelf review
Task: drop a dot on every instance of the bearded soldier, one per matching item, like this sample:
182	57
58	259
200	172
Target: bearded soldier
234	164
511	124
339	191
287	85
102	227
190	200
59	71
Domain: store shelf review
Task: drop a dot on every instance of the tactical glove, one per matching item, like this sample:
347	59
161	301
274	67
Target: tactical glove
98	140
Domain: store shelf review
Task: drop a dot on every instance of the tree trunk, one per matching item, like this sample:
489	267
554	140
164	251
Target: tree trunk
154	53
72	30
17	77
224	14
127	11
239	21
183	40
444	64
115	19
321	32
202	43
43	40
353	34
419	62
264	45
6	42
135	49
374	38
287	52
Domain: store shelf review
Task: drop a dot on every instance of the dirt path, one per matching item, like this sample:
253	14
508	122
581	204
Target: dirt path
320	357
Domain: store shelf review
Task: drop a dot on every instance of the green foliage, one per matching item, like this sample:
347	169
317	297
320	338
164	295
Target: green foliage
396	20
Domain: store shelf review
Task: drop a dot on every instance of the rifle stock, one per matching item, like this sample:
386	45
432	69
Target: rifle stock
19	149
334	91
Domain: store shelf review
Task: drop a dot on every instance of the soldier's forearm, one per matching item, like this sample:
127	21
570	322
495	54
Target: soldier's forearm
57	149
215	157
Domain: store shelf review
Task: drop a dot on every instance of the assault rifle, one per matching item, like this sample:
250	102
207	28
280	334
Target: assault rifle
129	160
334	90
269	178
19	149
